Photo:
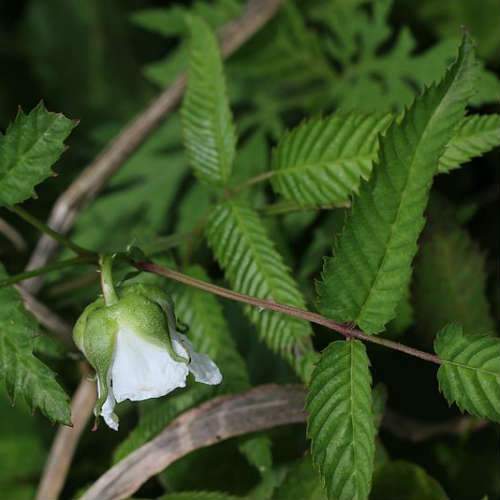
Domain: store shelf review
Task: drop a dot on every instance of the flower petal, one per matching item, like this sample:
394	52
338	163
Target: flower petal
201	366
107	412
143	370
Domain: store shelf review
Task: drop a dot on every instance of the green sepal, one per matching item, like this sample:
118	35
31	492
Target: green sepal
95	335
152	295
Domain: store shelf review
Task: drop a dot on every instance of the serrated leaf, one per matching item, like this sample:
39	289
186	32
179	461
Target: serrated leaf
24	374
254	267
322	161
470	371
476	135
341	424
450	280
29	148
405	481
207	122
371	266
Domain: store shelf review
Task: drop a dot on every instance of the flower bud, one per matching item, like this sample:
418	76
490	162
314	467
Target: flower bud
131	340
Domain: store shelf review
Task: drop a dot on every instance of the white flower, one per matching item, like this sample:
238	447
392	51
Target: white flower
131	339
143	370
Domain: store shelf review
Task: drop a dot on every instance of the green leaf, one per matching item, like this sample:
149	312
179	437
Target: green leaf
209	331
257	450
29	148
24	374
302	481
341	423
450	279
322	161
405	481
207	122
476	135
137	204
254	267
371	266
22	452
470	371
171	21
445	16
199	495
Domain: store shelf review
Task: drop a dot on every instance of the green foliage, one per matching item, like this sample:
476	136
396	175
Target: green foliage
24	374
302	481
470	371
476	135
368	131
21	451
137	202
209	133
198	495
341	423
374	77
444	17
405	481
322	161
83	56
450	280
29	148
173	21
362	283
253	266
257	449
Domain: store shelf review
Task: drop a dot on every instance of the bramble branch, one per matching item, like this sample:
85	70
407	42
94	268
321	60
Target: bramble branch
345	330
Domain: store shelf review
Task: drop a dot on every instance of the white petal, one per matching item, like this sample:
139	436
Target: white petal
143	370
107	413
201	366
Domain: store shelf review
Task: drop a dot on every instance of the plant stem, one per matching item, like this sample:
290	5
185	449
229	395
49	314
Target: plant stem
345	330
108	288
250	182
81	259
43	228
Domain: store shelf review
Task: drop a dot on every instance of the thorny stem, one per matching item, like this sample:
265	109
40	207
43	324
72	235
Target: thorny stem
43	228
80	259
312	317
